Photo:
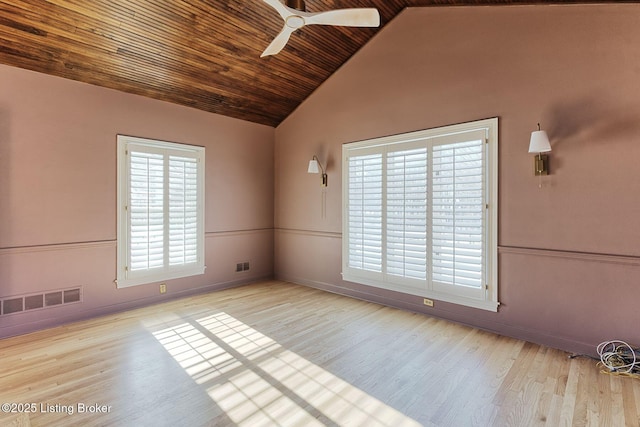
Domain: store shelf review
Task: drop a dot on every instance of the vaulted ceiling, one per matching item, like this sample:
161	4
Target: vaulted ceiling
200	53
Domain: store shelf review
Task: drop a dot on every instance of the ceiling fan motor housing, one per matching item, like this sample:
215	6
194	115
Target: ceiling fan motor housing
297	4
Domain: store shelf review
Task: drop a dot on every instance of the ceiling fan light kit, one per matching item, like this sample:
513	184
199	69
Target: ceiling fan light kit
295	16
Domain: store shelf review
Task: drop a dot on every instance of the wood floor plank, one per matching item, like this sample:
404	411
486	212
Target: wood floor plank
275	353
629	403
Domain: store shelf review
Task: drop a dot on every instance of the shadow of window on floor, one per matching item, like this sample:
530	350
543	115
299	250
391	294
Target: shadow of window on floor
256	381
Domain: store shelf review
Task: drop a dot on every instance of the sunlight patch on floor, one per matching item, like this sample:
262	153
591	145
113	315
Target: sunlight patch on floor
256	381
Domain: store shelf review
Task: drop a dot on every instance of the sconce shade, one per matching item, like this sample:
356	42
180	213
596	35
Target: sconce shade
313	166
539	142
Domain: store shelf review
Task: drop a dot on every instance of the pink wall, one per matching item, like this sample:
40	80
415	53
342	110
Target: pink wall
569	257
569	253
58	193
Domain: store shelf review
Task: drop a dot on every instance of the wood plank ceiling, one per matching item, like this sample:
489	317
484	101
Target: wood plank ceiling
203	54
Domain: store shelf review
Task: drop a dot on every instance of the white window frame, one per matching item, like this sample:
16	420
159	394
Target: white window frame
125	276
485	297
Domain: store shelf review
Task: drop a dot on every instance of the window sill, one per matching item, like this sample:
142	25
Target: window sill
158	277
425	293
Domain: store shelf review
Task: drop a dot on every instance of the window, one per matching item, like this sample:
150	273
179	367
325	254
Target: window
420	213
160	211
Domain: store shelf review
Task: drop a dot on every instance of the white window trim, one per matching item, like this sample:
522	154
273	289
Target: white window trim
490	295
125	278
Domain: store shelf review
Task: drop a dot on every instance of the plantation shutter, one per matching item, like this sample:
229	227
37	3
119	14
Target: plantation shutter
365	212
406	209
161	215
458	208
146	211
420	213
183	210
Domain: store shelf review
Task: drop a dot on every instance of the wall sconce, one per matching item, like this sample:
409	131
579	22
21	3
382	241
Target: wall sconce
540	144
313	168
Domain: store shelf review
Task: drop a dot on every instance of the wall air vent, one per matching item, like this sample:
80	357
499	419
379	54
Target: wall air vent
33	302
53	298
38	301
13	305
242	266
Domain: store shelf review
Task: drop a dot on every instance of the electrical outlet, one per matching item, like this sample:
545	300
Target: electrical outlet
163	288
428	302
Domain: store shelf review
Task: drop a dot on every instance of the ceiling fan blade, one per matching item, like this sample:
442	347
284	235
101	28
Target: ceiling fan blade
361	17
279	42
283	10
294	19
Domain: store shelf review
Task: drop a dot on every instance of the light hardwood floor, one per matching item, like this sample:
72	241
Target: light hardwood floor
275	353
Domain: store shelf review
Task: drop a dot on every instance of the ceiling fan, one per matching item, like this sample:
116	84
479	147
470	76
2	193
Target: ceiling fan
295	16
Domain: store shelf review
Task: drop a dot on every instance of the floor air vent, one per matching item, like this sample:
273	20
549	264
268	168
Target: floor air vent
20	304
